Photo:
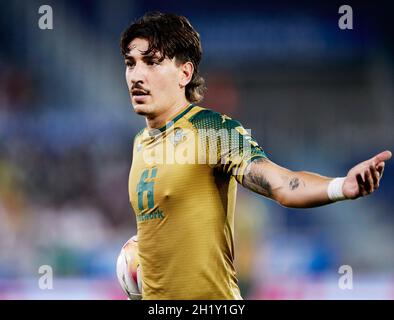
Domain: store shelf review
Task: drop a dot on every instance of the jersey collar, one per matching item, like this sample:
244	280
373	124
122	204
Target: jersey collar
179	115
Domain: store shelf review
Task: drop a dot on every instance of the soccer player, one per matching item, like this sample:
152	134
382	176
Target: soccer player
187	163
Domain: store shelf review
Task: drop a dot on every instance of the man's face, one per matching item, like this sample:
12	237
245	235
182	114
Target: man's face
154	84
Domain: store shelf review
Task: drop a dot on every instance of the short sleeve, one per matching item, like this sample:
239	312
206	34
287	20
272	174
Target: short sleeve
224	143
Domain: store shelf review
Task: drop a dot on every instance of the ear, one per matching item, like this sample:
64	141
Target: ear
186	73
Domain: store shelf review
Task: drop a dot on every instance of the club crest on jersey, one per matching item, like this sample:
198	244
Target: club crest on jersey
178	136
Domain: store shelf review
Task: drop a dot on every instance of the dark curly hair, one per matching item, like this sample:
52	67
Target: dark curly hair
173	36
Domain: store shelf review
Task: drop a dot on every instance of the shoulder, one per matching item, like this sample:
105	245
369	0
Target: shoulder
206	118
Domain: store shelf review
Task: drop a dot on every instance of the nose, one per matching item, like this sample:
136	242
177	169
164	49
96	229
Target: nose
136	74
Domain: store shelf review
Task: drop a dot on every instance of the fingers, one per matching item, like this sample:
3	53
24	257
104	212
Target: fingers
383	156
361	185
369	185
369	173
380	168
368	180
375	177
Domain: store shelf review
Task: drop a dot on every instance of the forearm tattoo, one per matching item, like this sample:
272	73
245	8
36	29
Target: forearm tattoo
254	179
294	183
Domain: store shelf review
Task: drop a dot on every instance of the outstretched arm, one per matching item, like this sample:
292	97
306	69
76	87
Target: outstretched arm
305	189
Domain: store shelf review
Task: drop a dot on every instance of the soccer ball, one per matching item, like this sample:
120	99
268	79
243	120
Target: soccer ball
128	269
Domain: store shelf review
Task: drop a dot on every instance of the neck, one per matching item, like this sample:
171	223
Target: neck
159	121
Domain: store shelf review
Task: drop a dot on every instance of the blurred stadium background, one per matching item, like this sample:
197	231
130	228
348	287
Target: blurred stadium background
317	98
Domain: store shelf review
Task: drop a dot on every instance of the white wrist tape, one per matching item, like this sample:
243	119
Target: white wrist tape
334	190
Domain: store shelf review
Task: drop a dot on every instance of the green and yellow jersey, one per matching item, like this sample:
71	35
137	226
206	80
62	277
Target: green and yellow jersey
182	186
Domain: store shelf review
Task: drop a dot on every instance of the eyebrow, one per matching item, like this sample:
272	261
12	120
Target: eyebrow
144	57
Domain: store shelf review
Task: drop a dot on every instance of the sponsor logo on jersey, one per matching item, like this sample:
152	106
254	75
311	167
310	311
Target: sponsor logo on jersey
157	214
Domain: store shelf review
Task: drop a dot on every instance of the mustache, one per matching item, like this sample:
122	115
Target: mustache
138	88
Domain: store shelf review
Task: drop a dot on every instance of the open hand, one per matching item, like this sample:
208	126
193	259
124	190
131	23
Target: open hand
364	178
